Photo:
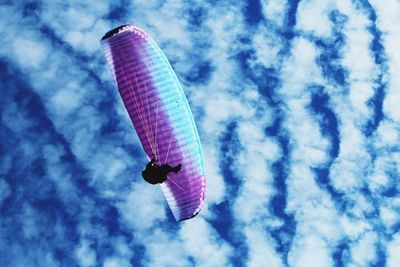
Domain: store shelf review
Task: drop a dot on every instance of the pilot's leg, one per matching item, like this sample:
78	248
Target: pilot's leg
166	168
177	168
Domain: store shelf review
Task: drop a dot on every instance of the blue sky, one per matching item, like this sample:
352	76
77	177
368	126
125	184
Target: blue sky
296	104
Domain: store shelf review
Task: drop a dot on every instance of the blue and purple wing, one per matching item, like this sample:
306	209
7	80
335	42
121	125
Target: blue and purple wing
160	114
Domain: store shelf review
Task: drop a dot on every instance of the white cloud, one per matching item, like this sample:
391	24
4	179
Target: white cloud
261	248
275	10
85	254
29	52
310	250
143	207
300	69
87	40
393	258
202	242
215	182
313	16
81	17
78	24
357	58
255	171
165	249
222	107
363	252
5	190
313	208
353	228
116	262
389	216
5	164
266	47
29	229
15	118
349	168
388	134
387	19
346	175
312	146
66	100
379	180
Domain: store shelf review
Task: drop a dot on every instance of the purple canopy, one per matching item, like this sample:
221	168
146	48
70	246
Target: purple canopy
160	114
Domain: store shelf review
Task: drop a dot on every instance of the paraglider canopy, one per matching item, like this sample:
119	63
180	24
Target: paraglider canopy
160	113
114	31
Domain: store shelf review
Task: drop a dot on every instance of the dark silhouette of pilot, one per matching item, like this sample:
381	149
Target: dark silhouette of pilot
157	174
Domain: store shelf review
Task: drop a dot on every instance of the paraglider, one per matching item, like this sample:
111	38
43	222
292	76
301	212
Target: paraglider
157	174
161	116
